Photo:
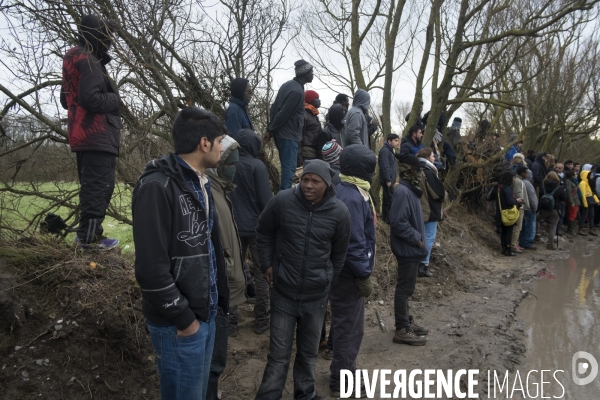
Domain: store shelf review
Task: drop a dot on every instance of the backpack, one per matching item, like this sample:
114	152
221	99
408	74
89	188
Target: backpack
547	200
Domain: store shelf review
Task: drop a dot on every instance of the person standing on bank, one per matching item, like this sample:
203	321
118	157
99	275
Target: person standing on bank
503	193
408	243
356	130
250	197
222	186
434	194
287	120
179	262
312	138
94	126
388	173
348	293
236	116
302	238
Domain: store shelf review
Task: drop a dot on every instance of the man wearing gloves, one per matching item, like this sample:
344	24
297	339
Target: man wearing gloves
347	297
409	245
302	238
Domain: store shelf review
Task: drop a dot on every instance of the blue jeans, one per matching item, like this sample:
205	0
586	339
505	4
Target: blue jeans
430	232
289	317
288	157
183	363
527	230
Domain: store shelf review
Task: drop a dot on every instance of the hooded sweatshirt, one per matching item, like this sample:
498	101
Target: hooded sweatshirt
253	188
236	116
173	235
232	247
586	190
539	170
356	130
92	100
358	161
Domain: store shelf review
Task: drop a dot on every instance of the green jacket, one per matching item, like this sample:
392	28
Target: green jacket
232	247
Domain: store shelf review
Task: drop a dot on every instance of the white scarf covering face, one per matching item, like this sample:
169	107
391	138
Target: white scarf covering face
428	164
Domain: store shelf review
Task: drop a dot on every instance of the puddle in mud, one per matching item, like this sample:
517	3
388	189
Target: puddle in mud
563	318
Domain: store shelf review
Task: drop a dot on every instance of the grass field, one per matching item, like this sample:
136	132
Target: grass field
18	210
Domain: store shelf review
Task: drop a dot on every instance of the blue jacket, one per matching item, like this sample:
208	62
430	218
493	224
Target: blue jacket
361	250
407	227
510	153
387	164
236	116
410	147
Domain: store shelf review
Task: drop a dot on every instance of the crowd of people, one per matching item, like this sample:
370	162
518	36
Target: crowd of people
536	189
210	235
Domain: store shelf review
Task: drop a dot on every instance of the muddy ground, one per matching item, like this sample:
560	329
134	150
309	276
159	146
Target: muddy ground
71	330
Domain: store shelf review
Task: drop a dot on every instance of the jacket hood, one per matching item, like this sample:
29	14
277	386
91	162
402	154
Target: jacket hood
359	161
539	157
229	144
238	87
549	184
94	34
362	99
249	142
168	165
336	116
583	175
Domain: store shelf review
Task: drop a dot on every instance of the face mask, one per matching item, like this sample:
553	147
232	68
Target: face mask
227	172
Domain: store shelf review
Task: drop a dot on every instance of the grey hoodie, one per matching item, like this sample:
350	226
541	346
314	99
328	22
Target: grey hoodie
356	130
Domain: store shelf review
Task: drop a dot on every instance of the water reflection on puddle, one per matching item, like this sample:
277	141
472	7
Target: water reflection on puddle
563	318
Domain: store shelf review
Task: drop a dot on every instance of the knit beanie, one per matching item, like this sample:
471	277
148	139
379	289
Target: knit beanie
310	96
318	167
302	68
238	87
457	123
331	152
519	155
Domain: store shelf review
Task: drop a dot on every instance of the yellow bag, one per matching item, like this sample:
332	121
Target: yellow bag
510	216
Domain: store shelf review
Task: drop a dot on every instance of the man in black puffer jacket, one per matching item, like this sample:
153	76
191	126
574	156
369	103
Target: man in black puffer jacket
302	238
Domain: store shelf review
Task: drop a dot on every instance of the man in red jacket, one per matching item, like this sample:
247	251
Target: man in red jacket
94	126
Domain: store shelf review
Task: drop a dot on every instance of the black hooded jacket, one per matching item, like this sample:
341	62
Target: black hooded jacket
539	170
253	190
306	244
170	234
92	100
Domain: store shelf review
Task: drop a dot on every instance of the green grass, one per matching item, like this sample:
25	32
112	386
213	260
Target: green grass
18	210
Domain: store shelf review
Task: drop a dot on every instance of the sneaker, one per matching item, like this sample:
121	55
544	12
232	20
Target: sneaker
551	246
107	244
593	232
418	330
261	327
581	232
424	271
406	336
516	249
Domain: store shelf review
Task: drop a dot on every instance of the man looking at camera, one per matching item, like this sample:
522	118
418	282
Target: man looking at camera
302	239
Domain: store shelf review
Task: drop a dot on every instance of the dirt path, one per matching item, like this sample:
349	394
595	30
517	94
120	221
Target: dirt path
101	350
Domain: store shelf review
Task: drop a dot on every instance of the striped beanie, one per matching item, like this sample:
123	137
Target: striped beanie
331	152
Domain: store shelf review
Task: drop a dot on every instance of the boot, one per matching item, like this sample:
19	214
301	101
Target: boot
507	251
424	271
551	246
593	232
406	336
418	330
581	232
571	227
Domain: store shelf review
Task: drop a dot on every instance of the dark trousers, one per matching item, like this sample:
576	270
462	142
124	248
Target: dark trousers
261	305
96	170
388	193
219	355
586	213
289	317
405	287
561	215
552	217
348	323
506	235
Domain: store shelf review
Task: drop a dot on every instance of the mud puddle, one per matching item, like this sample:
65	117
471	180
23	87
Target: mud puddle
563	318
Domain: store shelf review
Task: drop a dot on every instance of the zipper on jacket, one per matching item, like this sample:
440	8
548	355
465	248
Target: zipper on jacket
304	256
